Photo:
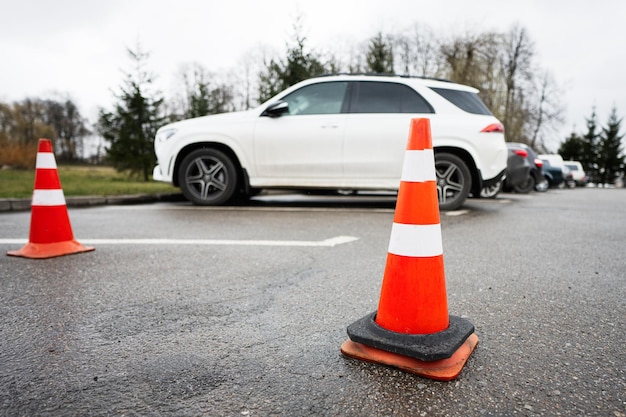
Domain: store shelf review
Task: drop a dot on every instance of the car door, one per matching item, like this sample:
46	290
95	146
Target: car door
303	147
377	128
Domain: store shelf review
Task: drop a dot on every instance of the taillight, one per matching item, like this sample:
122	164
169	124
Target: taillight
494	128
538	162
520	152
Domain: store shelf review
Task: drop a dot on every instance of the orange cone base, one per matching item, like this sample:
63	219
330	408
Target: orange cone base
50	250
440	370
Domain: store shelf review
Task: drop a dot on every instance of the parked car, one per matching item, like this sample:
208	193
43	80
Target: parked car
535	180
554	170
342	132
579	176
517	173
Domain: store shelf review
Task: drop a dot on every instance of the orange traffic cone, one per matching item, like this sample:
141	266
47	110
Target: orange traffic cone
412	330
50	229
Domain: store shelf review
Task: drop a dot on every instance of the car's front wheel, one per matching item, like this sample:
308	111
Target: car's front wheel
207	177
453	181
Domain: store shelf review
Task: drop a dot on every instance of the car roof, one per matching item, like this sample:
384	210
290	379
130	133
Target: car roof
573	163
551	156
405	79
524	146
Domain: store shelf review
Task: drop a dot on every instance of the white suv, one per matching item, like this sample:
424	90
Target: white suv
579	176
340	132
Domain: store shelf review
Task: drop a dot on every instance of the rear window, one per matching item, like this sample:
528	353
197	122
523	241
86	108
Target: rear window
465	100
383	97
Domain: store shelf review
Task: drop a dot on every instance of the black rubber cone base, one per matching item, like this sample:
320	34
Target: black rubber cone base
440	370
425	347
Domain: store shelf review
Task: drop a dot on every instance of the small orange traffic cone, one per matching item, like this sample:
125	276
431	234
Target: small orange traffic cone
411	330
50	230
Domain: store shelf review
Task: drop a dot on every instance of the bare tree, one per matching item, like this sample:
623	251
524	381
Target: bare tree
203	93
416	52
243	81
516	66
547	113
21	125
462	58
357	58
474	59
70	127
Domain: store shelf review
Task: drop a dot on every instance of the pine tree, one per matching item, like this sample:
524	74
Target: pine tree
131	127
380	55
589	158
199	101
610	160
270	82
298	66
573	148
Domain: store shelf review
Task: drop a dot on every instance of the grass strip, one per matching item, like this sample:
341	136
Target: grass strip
80	181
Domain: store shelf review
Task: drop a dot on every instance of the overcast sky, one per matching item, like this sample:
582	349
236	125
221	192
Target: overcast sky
79	47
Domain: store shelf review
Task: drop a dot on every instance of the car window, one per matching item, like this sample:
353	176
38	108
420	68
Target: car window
321	98
379	97
465	100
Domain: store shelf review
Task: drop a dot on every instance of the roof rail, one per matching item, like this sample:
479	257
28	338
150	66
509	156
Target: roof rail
384	74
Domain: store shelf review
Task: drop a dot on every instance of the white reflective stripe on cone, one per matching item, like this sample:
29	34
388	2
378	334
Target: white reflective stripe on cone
418	166
416	240
48	198
45	160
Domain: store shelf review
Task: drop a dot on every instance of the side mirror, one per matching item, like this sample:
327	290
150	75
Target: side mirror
276	109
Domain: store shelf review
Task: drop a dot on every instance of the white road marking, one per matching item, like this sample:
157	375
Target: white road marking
331	242
454	213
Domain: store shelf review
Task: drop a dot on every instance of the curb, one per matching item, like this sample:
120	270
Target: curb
23	204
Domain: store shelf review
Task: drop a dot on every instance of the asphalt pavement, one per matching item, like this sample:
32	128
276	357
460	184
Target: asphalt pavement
241	311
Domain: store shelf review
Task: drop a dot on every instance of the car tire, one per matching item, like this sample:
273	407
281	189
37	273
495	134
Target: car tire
453	181
492	191
207	177
542	186
526	187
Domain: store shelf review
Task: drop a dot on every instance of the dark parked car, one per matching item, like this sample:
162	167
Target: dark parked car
536	179
517	173
517	168
555	171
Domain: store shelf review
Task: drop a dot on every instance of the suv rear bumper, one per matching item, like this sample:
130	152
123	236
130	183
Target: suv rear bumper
487	183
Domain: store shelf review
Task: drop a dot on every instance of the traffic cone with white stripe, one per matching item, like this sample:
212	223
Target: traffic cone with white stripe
411	330
50	230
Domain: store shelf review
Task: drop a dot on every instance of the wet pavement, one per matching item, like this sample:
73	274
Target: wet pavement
242	323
